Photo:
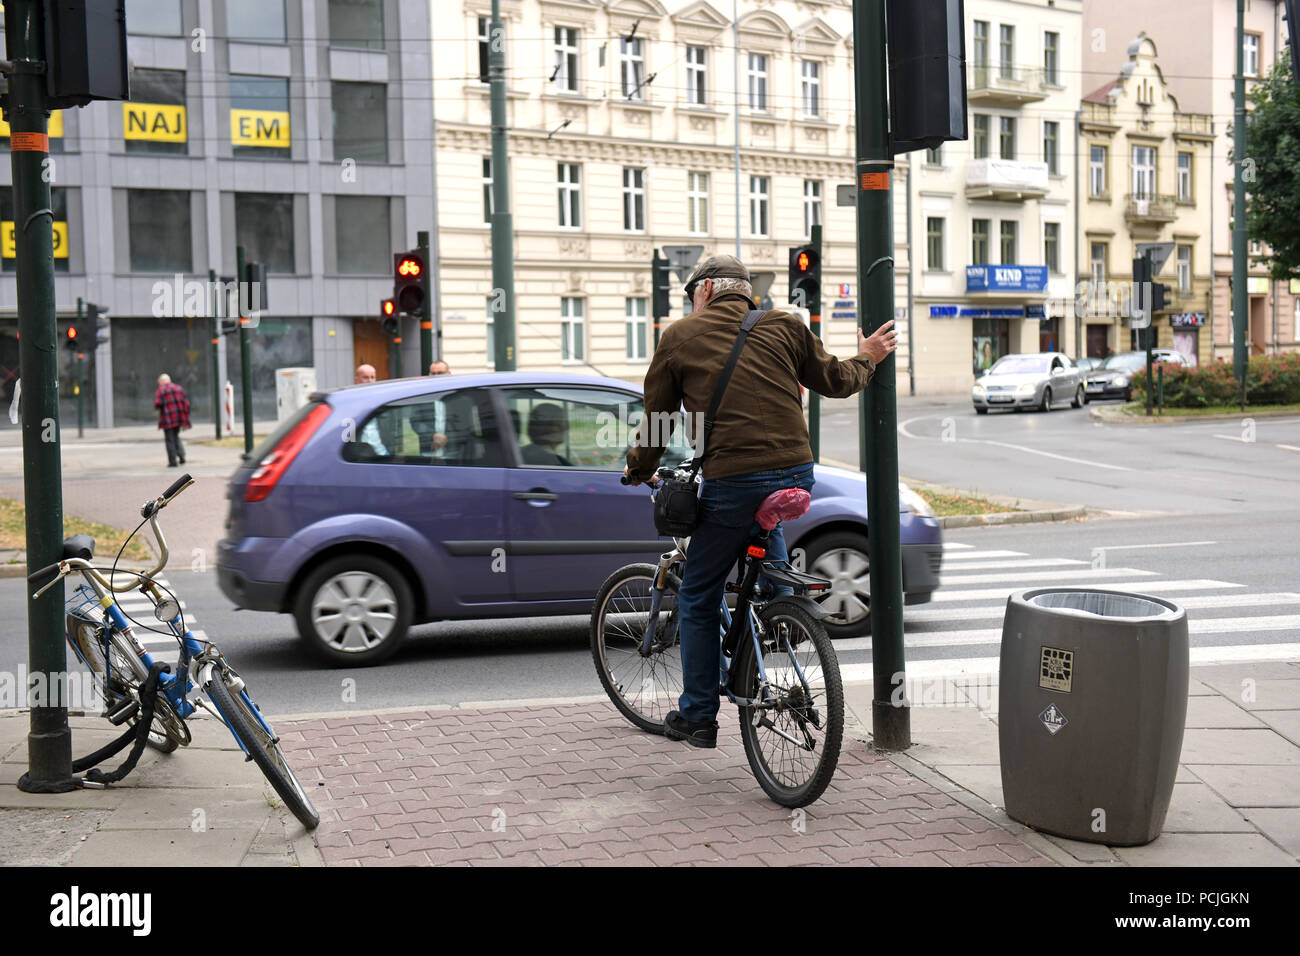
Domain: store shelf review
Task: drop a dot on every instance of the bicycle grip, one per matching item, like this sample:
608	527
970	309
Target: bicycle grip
177	485
624	480
39	577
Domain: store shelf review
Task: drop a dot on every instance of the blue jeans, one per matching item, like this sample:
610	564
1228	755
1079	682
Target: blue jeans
727	507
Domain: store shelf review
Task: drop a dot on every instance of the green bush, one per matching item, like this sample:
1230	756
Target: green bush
1271	380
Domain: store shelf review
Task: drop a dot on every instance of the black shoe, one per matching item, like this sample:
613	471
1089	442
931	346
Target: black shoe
182	461
697	735
171	464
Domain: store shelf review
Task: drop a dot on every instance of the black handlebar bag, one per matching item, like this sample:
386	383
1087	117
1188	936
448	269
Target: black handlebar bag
677	502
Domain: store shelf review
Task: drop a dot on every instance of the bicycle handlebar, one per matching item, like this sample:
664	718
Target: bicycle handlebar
176	487
37	577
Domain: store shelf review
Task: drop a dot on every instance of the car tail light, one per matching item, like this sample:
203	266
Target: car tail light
270	468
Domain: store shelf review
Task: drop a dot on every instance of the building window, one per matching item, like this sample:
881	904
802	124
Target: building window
154	120
637	329
1185	268
632	67
572	338
1251	58
1052	246
484	47
1185	177
757	81
360	121
980	52
1051	145
488	206
159	18
1006	51
1007	137
363	235
569	178
357	23
1256	247
566	60
812	205
1097	171
264	227
1144	172
256	21
697	203
979	242
1097	256
759	211
1051	58
1009	255
934	243
158	223
980	136
259	117
934	157
696	91
810	87
633	199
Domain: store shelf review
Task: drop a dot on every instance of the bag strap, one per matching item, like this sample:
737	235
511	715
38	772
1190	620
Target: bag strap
750	320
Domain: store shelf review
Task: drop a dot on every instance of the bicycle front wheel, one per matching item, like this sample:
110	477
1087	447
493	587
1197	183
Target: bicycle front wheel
792	737
262	747
643	687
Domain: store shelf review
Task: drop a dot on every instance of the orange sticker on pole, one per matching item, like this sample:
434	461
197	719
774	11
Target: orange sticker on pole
29	142
875	180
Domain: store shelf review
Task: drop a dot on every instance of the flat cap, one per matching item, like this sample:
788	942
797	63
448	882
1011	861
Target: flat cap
717	267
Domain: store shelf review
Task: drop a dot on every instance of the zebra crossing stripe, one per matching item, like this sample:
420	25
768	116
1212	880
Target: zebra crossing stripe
1148	587
975	555
1047	576
1016	563
923	615
955	546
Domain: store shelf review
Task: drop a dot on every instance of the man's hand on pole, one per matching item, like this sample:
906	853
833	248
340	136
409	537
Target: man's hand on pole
881	344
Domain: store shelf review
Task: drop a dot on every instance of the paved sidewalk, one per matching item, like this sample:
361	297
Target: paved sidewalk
539	783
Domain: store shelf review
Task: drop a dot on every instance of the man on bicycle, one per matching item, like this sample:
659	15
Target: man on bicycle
758	445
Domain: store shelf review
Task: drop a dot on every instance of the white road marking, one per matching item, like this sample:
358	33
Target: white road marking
1148	587
1046	454
1289	447
1048	577
955	546
1168	544
921	615
1017	563
973	555
1237	438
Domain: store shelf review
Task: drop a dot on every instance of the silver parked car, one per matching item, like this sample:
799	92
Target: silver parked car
1031	380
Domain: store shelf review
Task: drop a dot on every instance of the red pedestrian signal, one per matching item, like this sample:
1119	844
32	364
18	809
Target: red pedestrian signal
803	262
805	277
388	307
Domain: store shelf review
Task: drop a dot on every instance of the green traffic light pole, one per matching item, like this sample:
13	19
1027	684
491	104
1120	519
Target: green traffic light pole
49	741
1240	300
891	723
426	320
216	350
245	347
80	382
503	230
815	400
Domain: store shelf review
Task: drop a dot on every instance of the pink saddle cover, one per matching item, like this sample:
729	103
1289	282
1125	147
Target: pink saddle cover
784	505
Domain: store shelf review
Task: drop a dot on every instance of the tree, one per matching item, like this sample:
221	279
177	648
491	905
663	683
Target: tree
1272	169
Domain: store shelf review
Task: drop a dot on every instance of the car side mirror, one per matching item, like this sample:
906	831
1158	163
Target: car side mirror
1058	371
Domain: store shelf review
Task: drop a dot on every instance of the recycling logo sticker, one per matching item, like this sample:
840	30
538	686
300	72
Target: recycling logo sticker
1053	719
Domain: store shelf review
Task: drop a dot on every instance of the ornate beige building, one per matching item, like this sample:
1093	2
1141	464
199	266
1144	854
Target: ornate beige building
623	123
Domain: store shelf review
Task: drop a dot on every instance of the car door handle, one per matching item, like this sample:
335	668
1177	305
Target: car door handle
535	496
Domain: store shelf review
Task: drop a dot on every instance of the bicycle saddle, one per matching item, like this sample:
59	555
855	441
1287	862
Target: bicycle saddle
784	505
79	546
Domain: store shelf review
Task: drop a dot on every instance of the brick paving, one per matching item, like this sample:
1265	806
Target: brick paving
577	784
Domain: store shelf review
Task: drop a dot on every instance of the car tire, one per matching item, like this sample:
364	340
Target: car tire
354	610
841	557
981	411
1080	398
1046	404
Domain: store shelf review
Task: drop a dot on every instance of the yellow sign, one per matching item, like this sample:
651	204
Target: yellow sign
1256	285
259	128
1295	286
9	251
56	125
154	121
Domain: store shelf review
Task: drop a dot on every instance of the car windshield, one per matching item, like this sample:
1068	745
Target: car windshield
1125	360
1018	364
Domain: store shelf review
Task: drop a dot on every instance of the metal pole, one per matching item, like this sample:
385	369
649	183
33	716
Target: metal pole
245	347
735	61
1240	351
426	321
911	296
891	723
49	741
503	229
1149	333
216	350
80	381
815	400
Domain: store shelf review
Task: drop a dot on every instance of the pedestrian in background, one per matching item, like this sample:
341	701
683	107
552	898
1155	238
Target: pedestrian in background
173	415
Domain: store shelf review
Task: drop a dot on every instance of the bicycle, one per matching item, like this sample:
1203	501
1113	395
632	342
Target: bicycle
101	636
782	673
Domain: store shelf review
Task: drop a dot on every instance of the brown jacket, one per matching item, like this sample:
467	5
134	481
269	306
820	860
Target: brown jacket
760	423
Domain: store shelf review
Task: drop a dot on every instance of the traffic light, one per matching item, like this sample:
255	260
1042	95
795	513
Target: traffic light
255	276
408	282
97	325
806	278
661	282
1160	296
71	341
388	312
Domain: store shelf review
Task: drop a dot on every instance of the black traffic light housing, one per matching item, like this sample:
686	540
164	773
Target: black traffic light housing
388	316
96	330
927	72
408	282
85	52
806	278
1160	296
661	281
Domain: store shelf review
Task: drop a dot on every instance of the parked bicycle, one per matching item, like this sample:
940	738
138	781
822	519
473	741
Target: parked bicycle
102	638
782	671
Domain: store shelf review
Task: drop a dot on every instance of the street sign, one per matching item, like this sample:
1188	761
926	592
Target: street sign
1159	251
761	283
846	195
682	259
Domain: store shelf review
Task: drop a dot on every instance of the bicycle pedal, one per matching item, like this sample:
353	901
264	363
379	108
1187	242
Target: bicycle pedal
123	712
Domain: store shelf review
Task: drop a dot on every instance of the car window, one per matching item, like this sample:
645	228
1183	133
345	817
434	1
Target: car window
566	427
453	428
1124	361
1016	364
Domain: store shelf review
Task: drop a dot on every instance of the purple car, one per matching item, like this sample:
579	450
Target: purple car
376	507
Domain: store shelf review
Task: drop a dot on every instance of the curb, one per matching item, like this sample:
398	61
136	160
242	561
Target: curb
1013	517
1115	415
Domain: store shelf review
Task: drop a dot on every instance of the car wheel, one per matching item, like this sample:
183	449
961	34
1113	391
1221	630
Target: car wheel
1046	404
841	558
354	610
1080	398
981	411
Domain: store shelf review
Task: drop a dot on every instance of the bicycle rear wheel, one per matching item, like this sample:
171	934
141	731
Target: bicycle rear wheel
793	744
262	747
643	688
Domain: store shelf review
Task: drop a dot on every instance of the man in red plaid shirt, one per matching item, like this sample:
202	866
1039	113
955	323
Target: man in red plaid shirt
173	415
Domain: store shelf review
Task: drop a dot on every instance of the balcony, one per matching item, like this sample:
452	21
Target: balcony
992	86
1150	210
1006	180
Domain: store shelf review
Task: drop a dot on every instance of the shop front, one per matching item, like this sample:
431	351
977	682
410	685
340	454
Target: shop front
1186	328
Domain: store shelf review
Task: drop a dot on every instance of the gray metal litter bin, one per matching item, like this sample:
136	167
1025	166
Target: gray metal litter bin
1091	707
